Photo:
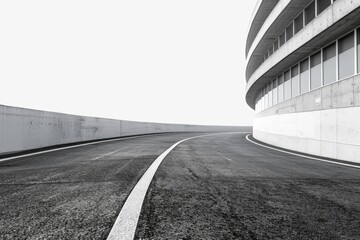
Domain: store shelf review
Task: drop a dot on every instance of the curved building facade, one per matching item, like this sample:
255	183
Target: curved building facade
303	76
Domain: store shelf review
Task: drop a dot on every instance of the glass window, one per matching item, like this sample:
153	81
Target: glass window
322	5
315	71
310	12
280	88
276	45
282	39
289	31
299	22
304	76
271	51
329	64
358	50
270	94
275	92
256	104
287	85
266	97
295	81
259	103
265	56
346	56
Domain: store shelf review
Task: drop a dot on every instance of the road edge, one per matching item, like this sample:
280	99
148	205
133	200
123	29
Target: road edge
347	164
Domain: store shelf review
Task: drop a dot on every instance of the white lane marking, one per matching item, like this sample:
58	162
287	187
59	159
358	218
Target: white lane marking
125	225
107	154
69	147
300	155
228	159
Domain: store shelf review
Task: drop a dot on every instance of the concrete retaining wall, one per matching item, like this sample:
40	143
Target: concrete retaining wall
324	122
333	133
25	129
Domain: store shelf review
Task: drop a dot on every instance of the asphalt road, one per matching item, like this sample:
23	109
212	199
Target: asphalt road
75	193
214	187
224	187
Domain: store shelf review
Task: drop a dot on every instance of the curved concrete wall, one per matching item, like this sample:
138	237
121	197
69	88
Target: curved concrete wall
260	13
336	20
25	129
323	122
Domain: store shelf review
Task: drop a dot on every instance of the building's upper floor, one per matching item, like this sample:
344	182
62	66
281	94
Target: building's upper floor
283	32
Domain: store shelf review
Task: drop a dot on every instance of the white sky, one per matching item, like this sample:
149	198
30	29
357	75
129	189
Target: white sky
160	61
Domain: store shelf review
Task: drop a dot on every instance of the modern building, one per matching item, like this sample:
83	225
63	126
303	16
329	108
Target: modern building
303	66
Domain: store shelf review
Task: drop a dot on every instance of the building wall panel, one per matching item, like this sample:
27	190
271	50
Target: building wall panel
333	133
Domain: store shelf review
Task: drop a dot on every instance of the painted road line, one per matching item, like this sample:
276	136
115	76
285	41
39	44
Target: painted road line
69	147
107	154
125	224
301	155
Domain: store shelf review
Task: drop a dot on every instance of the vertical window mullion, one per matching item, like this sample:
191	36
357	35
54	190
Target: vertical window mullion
304	22
279	42
293	27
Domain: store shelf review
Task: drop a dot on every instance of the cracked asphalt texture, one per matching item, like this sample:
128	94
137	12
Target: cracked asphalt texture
75	193
224	187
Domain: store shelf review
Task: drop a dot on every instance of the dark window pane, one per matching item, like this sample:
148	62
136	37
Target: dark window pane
329	58
304	76
310	12
275	92
270	51
322	5
287	85
281	88
294	81
358	50
282	39
266	97
315	71
263	98
270	94
299	23
276	45
289	31
346	56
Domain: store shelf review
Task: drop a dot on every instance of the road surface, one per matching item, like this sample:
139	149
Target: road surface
224	187
74	193
214	187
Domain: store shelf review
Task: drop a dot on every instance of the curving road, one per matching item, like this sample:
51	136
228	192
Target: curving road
214	187
74	193
224	187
